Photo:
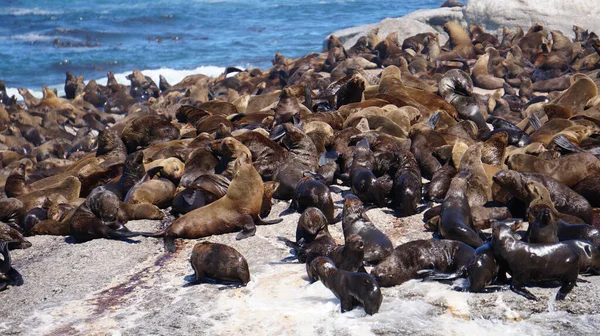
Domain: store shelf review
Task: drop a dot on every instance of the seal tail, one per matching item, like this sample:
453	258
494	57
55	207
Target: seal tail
564	143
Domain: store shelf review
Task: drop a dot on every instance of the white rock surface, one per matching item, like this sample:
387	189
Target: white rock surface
554	14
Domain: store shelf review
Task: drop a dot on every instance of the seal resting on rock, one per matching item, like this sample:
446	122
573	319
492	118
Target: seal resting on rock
219	262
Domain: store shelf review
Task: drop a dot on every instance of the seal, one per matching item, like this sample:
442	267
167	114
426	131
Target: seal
352	289
456	222
267	155
348	257
355	221
363	182
569	170
238	210
13	237
456	88
564	198
148	130
310	192
204	190
440	183
312	235
483	268
407	186
97	218
219	262
8	275
590	189
159	192
424	142
446	256
527	262
302	157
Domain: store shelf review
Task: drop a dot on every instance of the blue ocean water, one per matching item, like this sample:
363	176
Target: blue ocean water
41	39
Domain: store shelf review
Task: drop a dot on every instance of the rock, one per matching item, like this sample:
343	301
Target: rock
554	14
421	21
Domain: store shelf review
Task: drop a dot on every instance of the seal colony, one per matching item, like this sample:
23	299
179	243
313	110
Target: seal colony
207	155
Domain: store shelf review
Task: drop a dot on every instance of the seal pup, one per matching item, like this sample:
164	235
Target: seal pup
528	262
355	221
219	262
310	192
352	289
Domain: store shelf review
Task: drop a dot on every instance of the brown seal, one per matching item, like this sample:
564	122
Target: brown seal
310	192
312	235
219	262
348	257
456	88
424	142
440	183
238	210
456	221
407	186
204	190
564	198
97	218
355	221
352	289
159	192
148	130
267	203
483	268
13	237
446	256
590	189
528	262
267	155
569	170
67	190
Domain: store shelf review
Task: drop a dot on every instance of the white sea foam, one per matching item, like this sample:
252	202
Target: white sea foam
29	11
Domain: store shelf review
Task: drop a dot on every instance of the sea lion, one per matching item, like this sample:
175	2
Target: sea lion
363	182
148	130
159	192
133	172
348	257
407	186
97	218
68	190
528	262
219	262
312	235
352	289
8	275
590	189
310	192
238	210
13	237
569	169
204	190
302	157
456	88
200	162
446	256
440	183
424	142
483	268
355	221
456	221
564	198
267	155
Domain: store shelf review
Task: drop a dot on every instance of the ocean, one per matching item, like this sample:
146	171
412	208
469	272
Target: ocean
42	39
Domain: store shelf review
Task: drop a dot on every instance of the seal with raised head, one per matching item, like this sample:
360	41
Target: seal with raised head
310	192
238	210
219	262
445	256
528	262
352	289
355	221
348	257
456	221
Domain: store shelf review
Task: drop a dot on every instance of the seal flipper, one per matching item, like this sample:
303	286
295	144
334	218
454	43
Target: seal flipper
431	274
248	228
169	242
535	122
564	143
260	221
328	157
523	291
433	120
